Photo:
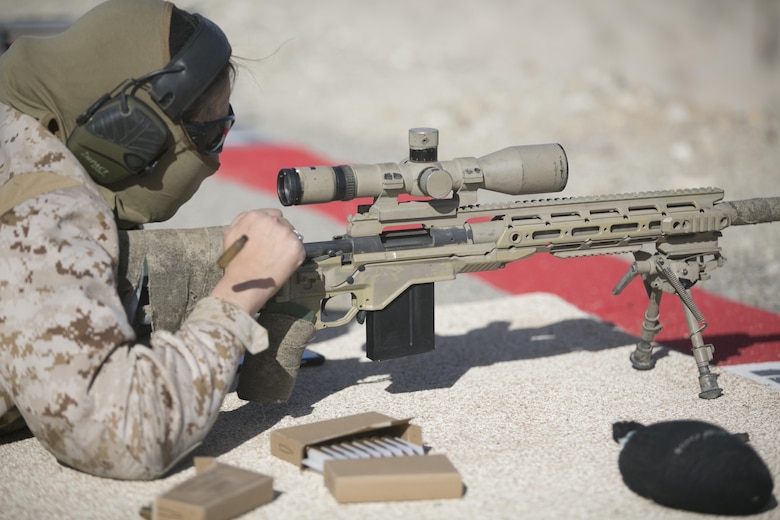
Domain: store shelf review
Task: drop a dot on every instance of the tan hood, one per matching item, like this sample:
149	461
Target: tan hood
60	77
64	74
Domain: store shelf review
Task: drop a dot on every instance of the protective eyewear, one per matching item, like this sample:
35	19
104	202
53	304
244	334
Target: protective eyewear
209	136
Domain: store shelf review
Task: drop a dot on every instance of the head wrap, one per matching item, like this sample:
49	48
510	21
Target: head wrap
58	78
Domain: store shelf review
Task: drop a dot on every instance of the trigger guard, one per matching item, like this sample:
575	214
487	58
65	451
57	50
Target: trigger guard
348	316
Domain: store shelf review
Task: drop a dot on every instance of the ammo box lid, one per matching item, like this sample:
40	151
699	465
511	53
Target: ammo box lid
290	443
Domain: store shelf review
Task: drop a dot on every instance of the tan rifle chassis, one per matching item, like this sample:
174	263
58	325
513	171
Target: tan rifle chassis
393	252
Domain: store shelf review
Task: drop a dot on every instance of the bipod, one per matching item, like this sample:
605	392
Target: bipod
659	276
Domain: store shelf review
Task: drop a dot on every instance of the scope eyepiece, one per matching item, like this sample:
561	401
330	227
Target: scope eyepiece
288	187
313	184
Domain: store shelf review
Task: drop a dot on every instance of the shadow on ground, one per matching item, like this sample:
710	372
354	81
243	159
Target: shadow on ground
441	368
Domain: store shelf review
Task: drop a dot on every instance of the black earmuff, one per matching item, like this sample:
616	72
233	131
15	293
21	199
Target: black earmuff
120	135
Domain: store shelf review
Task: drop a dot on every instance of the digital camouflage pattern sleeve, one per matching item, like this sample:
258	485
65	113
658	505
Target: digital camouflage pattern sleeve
97	399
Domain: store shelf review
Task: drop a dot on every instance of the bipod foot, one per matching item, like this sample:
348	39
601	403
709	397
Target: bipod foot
709	387
708	382
642	356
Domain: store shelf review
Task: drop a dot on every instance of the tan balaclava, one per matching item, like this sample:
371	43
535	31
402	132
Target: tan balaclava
57	79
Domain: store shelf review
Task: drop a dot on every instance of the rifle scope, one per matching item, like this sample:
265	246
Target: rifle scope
517	170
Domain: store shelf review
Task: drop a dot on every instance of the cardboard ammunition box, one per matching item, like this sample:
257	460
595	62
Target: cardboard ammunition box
394	478
216	492
413	477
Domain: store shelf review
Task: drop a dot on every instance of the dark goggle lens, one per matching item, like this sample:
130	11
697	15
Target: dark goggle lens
209	136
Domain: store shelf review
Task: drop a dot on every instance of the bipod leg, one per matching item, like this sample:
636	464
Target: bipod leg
708	382
642	356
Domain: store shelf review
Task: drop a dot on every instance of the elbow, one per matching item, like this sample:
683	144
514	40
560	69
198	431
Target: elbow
123	465
110	455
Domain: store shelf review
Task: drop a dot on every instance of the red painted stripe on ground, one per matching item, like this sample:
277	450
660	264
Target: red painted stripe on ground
740	333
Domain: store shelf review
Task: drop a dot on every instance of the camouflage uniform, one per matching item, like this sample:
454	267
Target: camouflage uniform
94	396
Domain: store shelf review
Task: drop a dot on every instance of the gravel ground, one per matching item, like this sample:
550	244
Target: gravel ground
642	95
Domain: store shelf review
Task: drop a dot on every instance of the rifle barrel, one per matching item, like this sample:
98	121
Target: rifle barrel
752	211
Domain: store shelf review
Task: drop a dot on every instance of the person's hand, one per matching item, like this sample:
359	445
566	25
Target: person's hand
272	252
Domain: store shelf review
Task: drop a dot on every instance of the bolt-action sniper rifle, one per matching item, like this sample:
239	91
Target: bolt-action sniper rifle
393	252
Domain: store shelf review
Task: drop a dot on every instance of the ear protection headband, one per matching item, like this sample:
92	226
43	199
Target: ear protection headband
122	135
